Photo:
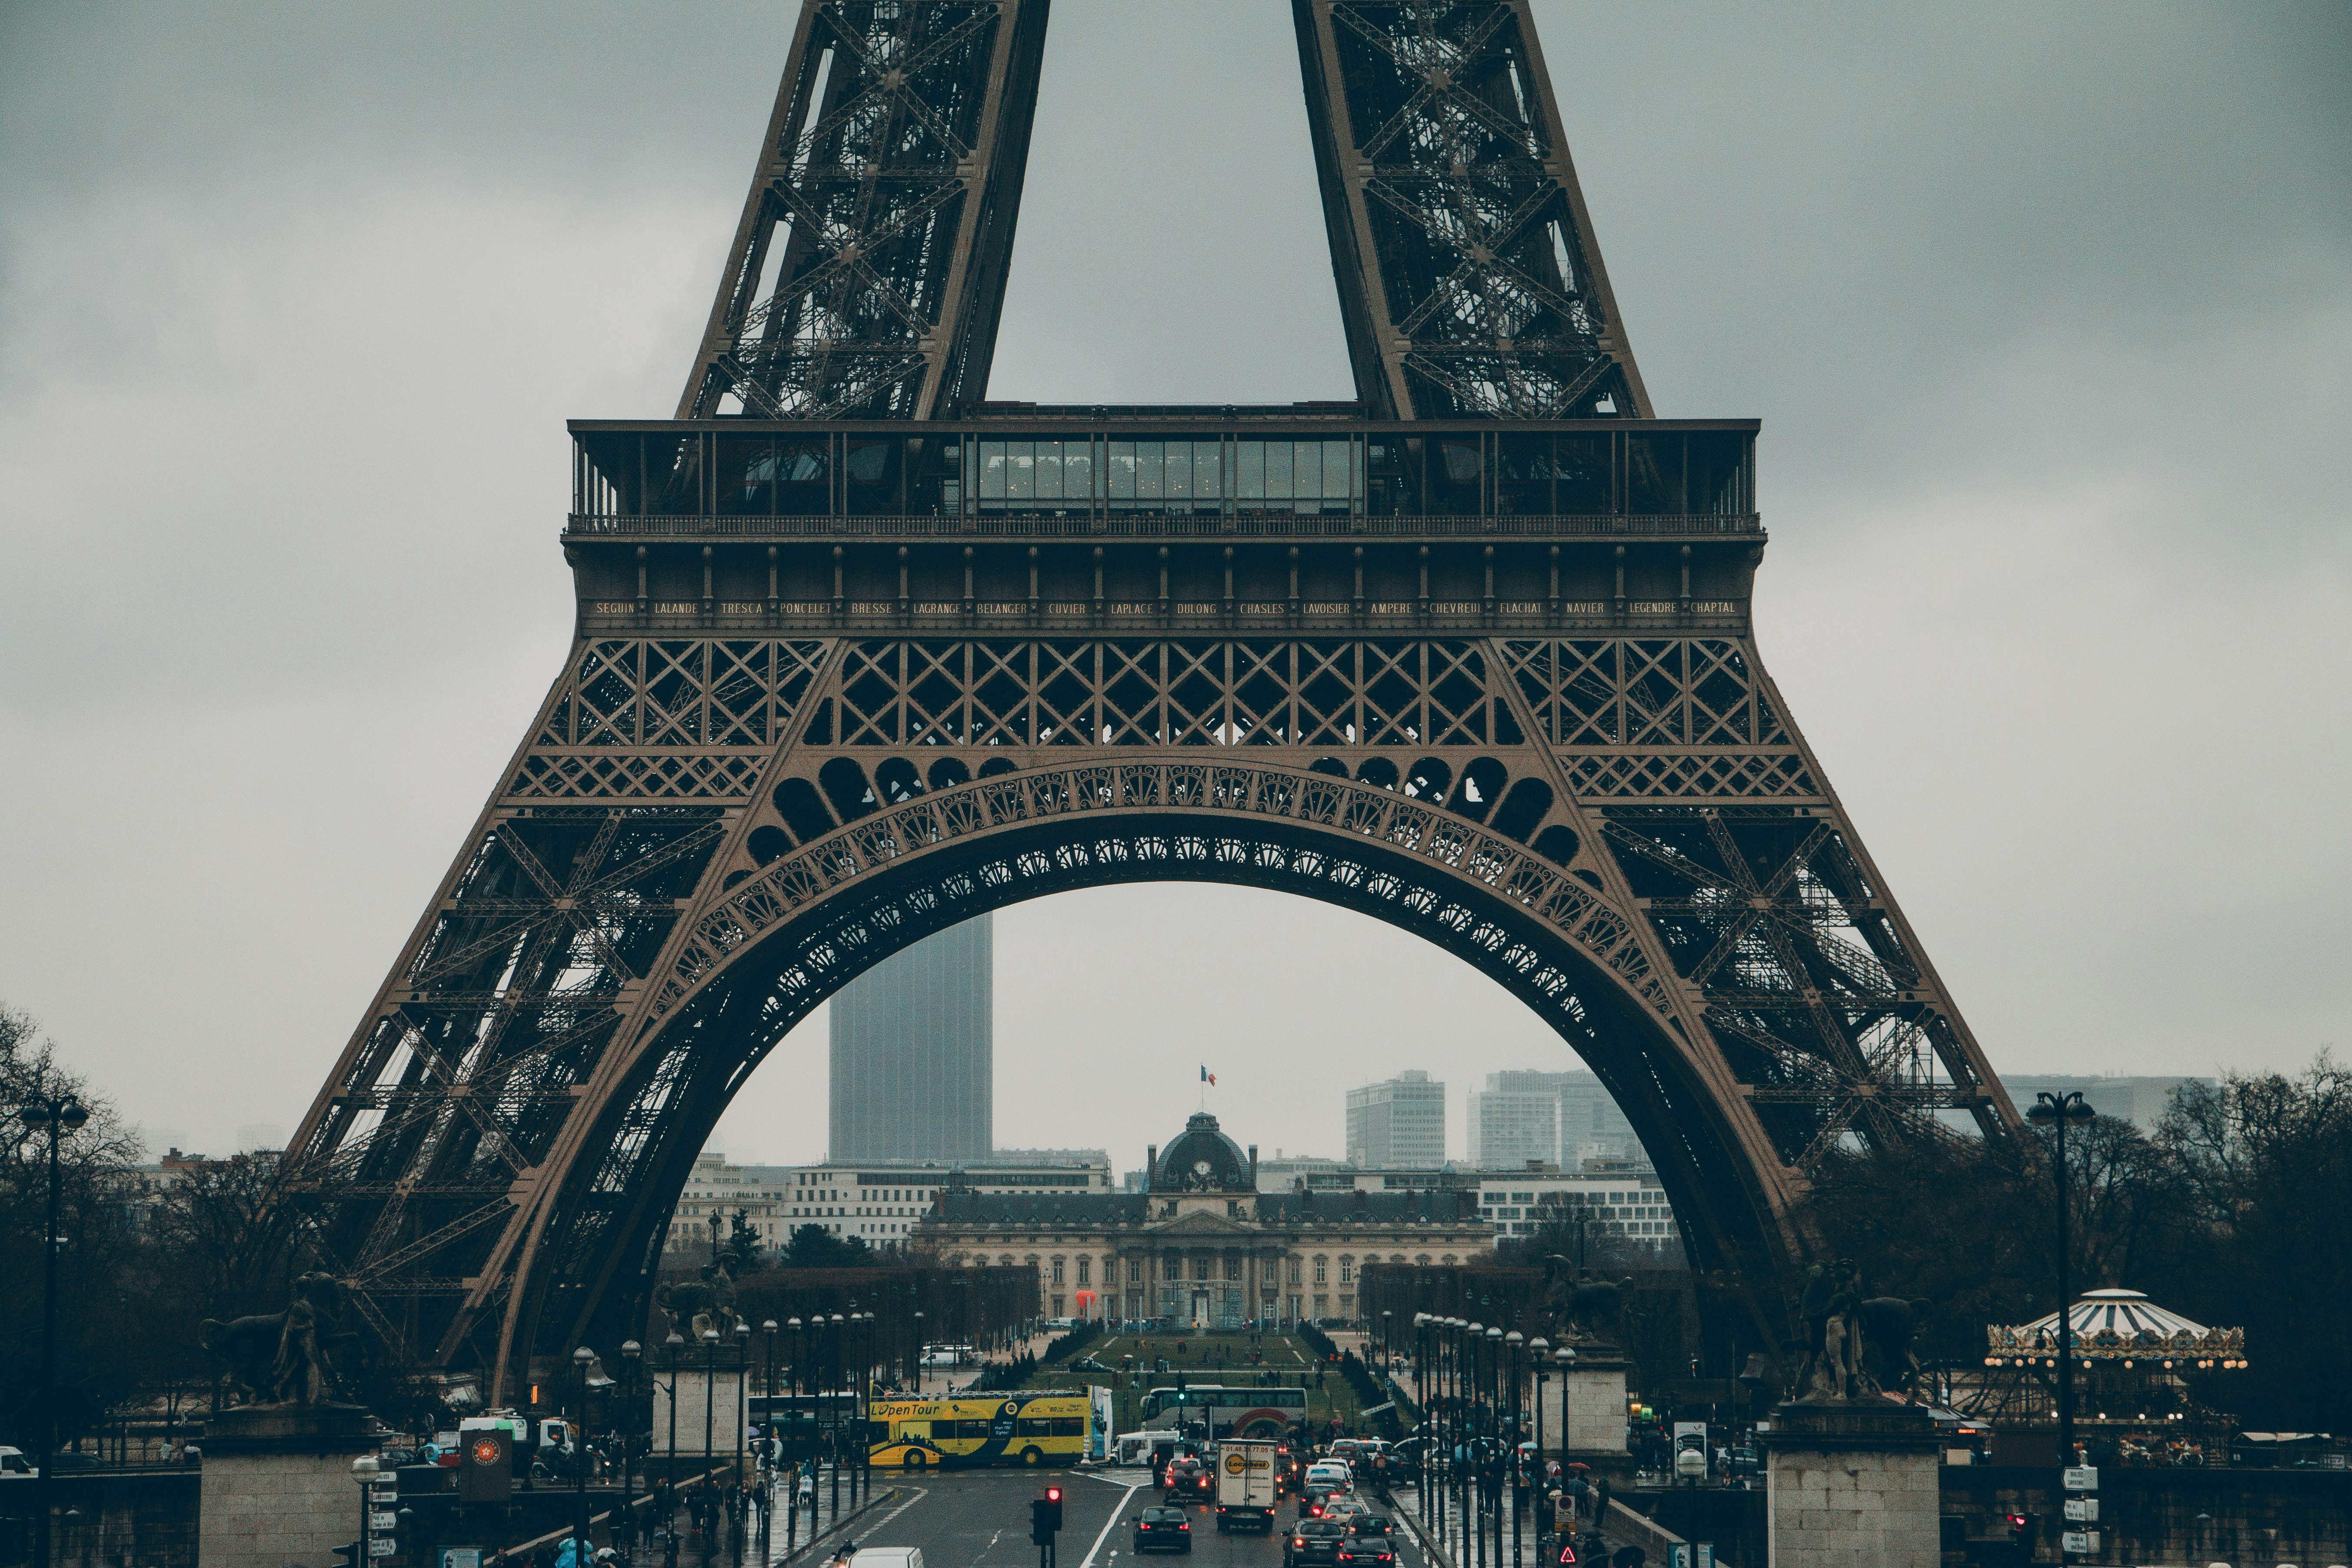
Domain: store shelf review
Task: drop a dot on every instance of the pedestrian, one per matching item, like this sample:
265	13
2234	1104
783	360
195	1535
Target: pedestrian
1601	1502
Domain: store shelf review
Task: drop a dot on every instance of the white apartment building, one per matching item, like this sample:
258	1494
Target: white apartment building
1397	1122
1509	1128
1614	1197
877	1201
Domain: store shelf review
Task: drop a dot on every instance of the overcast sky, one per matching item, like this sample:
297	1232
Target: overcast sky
2046	309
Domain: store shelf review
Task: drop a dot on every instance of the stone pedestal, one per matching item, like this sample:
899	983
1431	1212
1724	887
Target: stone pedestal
1592	1397
1851	1484
691	1408
278	1485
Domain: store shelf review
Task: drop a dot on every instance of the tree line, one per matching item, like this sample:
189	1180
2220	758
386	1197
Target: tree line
2234	1211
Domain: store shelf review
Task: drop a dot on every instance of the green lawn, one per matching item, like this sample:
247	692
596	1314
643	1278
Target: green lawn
1218	1357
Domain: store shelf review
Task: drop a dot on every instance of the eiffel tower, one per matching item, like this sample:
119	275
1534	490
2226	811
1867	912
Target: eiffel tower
861	653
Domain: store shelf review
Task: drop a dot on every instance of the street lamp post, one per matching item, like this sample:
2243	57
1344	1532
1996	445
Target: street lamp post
632	1363
364	1470
742	1403
919	1352
1539	1363
768	1387
582	1358
1514	1345
709	1402
832	1362
675	1342
2060	1109
61	1114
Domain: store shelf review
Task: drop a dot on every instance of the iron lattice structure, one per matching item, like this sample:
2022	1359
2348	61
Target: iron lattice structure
859	657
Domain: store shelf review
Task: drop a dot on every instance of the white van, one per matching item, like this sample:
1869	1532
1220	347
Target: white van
888	1557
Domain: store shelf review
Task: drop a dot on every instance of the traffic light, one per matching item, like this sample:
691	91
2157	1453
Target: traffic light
1046	1517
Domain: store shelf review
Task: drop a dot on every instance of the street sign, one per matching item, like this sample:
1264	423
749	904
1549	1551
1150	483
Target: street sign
1678	1556
1706	1554
2082	1479
461	1557
2082	1511
2083	1541
383	1521
379	1547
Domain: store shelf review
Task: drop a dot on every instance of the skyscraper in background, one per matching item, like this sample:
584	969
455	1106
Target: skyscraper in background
1398	1121
1589	1121
1510	1127
913	1053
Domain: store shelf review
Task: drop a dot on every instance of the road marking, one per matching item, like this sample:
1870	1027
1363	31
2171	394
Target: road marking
1122	1509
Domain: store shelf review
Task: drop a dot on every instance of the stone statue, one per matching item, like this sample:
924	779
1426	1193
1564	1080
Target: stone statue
294	1357
245	1348
690	1310
1888	1323
1833	1334
1586	1309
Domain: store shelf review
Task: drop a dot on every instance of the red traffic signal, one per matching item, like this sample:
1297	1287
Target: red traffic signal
1053	1494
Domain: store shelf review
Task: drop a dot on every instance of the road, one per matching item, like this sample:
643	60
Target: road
980	1518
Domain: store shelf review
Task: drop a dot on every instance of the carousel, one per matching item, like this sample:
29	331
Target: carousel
2135	1393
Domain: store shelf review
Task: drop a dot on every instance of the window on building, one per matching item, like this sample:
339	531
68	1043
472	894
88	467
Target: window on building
1201	1268
1318	1271
1084	1270
1233	1268
1347	1271
1057	1274
1135	1271
1294	1271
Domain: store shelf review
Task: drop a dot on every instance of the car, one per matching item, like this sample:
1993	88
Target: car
1162	1530
1186	1477
1330	1472
1088	1363
1371	1548
1313	1540
1314	1502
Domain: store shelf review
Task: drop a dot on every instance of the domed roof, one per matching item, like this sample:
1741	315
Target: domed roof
2122	1325
2128	1313
1201	1159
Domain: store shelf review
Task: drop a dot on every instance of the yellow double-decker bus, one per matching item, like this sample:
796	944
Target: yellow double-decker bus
1044	1427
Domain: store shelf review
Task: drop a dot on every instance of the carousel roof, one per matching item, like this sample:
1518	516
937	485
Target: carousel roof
2122	1324
2128	1313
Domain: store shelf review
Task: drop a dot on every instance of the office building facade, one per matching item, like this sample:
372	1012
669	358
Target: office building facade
1591	1125
913	1050
1398	1121
1510	1128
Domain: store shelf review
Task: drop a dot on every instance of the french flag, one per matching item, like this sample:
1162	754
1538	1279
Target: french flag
1207	1077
